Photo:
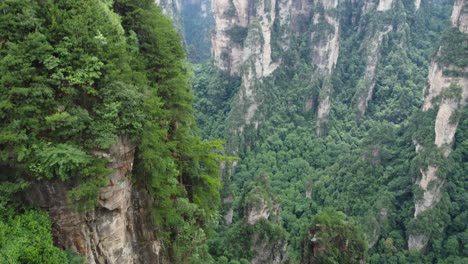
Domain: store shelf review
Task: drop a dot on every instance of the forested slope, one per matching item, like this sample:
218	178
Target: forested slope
97	129
325	104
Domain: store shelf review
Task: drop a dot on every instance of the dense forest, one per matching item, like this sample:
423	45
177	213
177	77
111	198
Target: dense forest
333	134
362	167
77	77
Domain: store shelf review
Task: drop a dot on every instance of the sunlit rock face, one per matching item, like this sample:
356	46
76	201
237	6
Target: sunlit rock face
119	230
232	21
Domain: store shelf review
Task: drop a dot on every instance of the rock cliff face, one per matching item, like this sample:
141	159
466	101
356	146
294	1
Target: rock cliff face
449	94
417	4
119	230
384	5
232	20
460	16
325	48
260	208
366	91
249	36
266	251
372	47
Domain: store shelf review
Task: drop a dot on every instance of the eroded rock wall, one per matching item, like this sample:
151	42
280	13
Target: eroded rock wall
119	230
366	90
449	94
263	207
325	48
230	15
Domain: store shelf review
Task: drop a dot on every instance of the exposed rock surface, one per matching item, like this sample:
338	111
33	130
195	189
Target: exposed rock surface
460	15
261	219
430	184
373	54
268	253
417	242
119	230
229	51
325	52
445	124
255	213
384	5
417	4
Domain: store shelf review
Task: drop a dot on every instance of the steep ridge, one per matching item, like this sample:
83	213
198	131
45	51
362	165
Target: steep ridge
447	93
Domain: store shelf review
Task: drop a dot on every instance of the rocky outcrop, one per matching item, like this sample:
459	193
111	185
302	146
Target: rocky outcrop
460	15
233	19
325	48
259	203
269	253
324	107
333	241
366	89
266	251
255	213
417	241
450	94
417	4
430	185
119	230
261	218
384	5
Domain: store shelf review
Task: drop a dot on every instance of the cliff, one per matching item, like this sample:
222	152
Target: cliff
250	39
261	224
448	93
325	48
119	230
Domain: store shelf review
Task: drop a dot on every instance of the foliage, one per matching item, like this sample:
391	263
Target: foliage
26	238
180	167
79	75
364	167
332	238
237	34
454	49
